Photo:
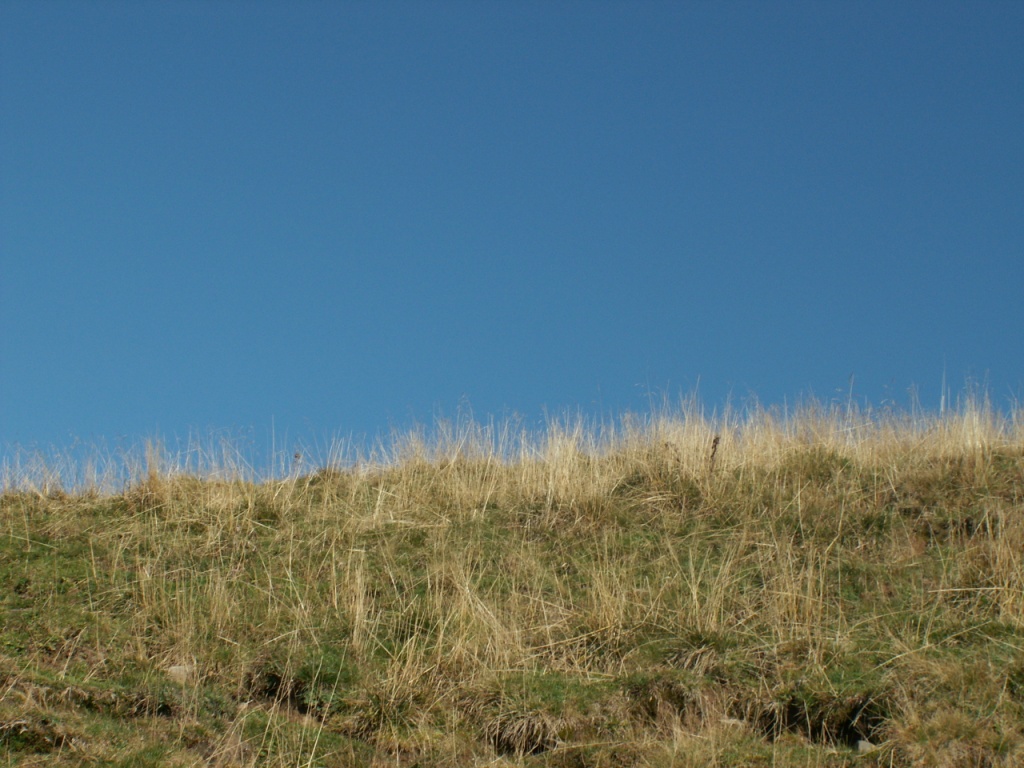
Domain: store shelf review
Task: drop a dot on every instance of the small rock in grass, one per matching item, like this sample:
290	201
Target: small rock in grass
181	673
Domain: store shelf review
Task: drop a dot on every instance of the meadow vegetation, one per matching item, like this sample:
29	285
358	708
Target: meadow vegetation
826	588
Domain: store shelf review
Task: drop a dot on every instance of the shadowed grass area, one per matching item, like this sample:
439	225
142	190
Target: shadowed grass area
830	589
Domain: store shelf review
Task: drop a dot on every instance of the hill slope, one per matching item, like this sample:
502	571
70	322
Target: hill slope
828	589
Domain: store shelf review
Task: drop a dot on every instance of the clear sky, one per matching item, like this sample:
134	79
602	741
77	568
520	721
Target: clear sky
342	218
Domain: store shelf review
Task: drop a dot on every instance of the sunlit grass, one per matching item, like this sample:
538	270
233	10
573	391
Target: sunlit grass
829	587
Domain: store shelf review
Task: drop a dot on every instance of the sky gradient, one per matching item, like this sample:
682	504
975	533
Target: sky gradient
338	219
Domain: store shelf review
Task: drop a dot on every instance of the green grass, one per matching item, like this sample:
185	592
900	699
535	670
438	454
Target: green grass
629	597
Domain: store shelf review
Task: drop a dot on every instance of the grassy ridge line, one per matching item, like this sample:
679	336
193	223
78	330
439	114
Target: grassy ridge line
757	433
826	589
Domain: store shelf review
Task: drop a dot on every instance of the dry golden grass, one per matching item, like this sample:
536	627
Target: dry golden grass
829	588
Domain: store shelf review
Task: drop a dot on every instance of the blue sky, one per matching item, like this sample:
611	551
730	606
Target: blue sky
343	218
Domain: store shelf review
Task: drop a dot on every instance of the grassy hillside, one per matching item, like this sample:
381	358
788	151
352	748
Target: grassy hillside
828	589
